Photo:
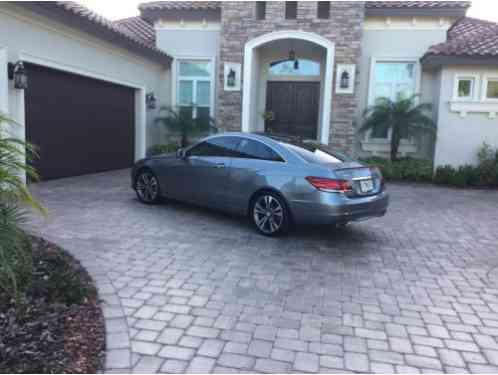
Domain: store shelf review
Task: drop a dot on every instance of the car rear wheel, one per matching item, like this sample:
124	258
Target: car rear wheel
269	214
147	187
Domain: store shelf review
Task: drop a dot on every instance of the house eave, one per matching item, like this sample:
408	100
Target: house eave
436	61
52	11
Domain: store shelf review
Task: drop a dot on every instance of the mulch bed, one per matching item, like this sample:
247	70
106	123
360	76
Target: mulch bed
60	326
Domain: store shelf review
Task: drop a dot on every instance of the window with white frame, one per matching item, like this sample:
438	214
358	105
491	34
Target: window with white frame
465	88
194	88
392	79
492	88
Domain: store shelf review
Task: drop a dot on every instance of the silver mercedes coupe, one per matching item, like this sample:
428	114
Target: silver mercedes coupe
275	181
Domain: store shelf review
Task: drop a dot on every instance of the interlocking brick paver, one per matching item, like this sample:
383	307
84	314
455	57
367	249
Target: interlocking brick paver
260	348
148	365
402	293
236	361
201	365
176	352
356	362
211	348
144	347
173	366
451	358
272	366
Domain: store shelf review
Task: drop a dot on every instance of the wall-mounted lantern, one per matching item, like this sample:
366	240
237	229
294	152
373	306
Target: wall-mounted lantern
231	78
345	80
151	101
18	73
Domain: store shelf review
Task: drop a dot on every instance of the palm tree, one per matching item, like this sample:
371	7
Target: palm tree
15	249
181	122
15	158
403	116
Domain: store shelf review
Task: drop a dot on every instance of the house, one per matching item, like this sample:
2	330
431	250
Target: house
301	68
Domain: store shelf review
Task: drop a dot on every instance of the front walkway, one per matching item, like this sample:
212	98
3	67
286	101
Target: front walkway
186	289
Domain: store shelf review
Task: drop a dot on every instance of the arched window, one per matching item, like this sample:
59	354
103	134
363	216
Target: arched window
298	67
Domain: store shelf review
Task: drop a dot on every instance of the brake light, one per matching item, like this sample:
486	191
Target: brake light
330	185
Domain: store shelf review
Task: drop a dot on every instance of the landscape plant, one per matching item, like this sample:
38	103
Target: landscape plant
180	122
15	198
403	117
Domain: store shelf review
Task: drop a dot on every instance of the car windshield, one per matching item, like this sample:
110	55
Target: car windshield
314	153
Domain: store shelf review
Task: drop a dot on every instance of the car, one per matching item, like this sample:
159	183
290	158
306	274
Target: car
276	181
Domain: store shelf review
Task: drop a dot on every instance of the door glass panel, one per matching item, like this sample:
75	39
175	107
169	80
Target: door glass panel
194	69
290	68
203	93
186	95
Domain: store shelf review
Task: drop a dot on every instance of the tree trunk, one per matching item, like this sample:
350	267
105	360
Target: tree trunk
395	139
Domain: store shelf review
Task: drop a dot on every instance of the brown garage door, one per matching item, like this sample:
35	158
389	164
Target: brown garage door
80	125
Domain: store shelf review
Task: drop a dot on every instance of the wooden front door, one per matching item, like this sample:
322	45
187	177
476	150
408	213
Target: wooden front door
295	108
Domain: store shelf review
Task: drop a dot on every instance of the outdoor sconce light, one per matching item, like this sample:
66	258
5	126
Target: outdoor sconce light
344	80
18	73
150	101
231	78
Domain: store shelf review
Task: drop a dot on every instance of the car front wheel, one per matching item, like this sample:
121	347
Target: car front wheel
269	214
147	187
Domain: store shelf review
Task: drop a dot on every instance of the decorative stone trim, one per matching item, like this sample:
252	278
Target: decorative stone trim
464	108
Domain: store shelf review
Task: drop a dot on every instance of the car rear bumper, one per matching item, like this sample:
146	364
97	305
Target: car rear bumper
334	208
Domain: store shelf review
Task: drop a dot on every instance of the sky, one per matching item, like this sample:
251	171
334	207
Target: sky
117	9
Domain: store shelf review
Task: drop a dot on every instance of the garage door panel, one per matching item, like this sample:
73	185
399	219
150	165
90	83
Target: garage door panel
80	125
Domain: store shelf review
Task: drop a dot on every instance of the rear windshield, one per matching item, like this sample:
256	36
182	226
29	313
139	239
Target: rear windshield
318	154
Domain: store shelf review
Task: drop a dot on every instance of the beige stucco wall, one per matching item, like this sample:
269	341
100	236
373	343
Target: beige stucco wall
30	37
459	138
401	40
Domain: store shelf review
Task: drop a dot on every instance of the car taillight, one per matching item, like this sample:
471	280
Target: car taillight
330	185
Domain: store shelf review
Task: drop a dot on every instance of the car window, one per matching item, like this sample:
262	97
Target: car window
221	147
313	153
250	149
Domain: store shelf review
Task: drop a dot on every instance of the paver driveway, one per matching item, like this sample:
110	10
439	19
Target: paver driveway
187	289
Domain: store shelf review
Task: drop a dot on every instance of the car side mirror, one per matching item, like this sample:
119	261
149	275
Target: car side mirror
181	154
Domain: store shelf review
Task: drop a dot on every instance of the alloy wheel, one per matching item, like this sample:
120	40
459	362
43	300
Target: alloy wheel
268	214
147	187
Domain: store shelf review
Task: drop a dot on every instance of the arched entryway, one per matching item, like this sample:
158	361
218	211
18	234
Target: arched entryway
288	74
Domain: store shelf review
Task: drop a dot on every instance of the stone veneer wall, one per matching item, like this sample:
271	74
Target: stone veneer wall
344	28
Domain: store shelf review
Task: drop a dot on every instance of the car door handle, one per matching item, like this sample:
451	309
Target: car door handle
219	165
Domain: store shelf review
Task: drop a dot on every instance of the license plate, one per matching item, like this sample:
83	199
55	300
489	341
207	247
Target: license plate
366	186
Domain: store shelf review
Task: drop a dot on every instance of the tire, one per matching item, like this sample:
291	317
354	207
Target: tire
269	214
147	187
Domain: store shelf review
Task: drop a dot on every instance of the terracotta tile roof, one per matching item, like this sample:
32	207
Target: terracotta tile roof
418	4
78	16
180	5
139	28
469	37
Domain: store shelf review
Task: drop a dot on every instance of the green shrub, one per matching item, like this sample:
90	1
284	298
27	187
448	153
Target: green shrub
15	253
15	249
162	149
403	169
444	175
488	165
61	279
